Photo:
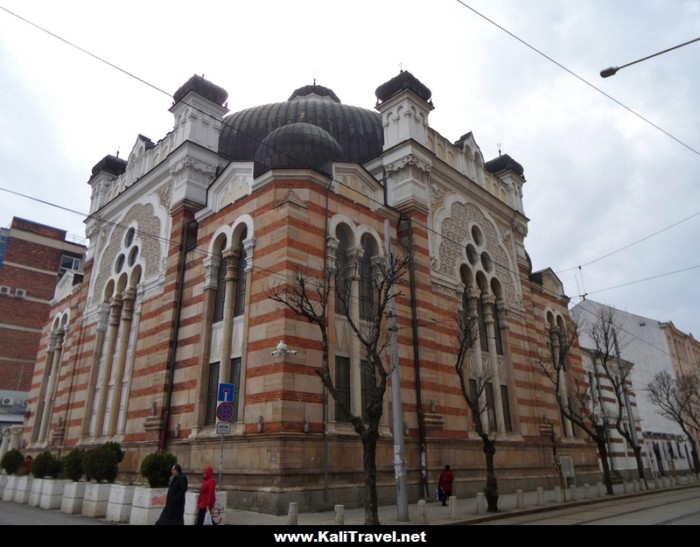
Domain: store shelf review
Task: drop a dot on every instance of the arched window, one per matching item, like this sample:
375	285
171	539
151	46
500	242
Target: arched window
220	297
367	300
342	282
239	306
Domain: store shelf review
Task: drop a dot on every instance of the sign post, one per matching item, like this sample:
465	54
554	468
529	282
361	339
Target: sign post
224	415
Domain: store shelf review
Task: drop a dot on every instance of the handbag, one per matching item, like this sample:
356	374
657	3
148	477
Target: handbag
207	519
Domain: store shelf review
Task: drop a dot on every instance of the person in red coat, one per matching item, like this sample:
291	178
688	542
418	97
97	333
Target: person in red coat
207	495
445	481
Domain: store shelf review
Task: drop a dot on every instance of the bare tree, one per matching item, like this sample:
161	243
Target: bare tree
616	374
307	296
473	384
679	401
575	397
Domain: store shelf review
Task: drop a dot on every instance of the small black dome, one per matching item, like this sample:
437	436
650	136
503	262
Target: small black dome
504	163
314	90
202	87
111	164
405	80
297	146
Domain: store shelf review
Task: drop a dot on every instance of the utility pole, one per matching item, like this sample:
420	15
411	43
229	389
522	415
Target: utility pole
397	410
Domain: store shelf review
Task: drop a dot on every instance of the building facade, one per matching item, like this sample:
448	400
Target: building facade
188	236
32	259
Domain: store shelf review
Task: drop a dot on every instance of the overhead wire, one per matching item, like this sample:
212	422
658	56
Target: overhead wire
572	73
171	242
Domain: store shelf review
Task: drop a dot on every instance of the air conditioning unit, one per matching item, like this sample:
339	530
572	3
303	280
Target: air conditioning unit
20	293
5	290
6	401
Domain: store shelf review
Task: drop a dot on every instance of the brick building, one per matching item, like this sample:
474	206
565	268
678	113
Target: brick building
189	233
32	258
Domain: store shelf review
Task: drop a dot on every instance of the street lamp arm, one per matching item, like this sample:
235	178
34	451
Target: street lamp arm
613	70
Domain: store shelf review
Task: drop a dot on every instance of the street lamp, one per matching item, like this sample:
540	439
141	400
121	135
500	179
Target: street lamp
606	73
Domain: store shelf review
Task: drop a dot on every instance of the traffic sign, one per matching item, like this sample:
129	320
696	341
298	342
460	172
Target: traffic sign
224	412
225	392
223	428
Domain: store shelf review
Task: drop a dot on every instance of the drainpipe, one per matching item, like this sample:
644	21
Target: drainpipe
186	246
416	364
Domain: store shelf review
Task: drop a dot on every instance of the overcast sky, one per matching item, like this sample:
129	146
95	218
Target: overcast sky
599	177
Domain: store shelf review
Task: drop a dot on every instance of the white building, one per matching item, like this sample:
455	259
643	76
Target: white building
643	343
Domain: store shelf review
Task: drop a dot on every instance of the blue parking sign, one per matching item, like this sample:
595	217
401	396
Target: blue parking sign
225	392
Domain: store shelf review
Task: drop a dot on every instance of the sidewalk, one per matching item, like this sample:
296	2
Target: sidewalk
460	511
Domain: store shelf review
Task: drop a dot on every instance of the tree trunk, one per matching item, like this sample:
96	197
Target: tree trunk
603	453
694	455
640	465
369	457
491	490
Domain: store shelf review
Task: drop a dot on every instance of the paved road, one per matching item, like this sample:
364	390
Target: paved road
671	507
21	514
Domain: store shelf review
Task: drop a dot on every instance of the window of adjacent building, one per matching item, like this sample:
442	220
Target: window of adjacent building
69	263
342	388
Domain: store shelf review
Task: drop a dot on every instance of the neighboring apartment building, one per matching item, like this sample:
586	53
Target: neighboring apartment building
32	259
685	356
643	343
188	234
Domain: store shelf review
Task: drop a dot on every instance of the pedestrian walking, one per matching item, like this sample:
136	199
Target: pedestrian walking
174	510
207	495
445	481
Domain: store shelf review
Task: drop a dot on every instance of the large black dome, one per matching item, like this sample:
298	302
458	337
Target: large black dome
357	131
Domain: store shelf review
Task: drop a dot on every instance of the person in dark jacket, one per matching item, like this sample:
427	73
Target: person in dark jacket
445	481
174	510
207	495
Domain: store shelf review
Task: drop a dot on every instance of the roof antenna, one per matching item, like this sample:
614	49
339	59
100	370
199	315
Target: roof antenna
499	148
117	151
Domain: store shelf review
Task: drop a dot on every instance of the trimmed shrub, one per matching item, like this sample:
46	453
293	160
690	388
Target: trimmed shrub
73	464
46	465
12	461
116	448
157	467
100	464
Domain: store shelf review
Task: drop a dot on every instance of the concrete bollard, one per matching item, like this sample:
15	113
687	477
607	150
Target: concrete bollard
540	495
587	491
519	499
557	494
339	515
422	512
452	502
480	503
293	514
601	490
